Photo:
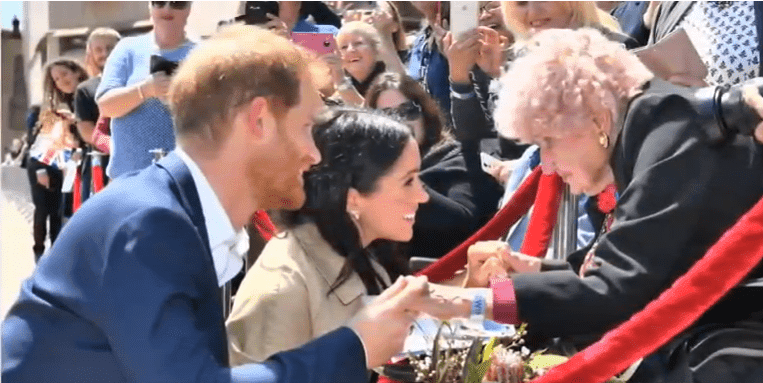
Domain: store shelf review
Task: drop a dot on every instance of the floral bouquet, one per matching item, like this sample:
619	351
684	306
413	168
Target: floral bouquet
461	353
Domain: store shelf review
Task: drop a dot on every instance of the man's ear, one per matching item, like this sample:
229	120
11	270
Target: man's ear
256	113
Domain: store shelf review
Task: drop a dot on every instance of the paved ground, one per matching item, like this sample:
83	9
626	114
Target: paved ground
16	256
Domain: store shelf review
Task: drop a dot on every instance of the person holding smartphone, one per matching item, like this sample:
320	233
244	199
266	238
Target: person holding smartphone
426	62
133	97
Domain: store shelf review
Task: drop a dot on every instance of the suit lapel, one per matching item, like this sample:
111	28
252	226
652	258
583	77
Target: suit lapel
185	189
187	194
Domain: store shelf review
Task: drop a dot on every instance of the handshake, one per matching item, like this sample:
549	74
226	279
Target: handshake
494	259
384	324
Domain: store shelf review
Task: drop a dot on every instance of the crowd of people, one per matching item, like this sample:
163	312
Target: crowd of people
366	152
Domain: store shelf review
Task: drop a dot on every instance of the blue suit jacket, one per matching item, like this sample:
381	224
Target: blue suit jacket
129	293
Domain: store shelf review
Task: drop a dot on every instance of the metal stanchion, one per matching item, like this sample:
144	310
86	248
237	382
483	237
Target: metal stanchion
566	229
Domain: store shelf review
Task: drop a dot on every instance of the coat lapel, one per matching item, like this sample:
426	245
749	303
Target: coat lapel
185	189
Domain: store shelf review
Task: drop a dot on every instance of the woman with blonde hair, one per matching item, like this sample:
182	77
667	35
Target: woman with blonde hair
363	57
525	18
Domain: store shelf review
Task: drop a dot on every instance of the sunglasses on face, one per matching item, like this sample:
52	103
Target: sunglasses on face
409	110
173	4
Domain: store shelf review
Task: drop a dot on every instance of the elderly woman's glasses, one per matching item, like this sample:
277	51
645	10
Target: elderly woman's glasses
173	4
408	111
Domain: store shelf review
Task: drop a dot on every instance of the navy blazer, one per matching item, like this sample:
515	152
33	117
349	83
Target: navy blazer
128	293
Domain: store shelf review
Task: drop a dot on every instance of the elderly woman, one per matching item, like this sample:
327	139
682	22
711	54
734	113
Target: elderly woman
133	97
363	58
600	117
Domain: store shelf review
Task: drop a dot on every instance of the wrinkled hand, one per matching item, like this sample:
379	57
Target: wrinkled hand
491	52
384	323
523	263
157	86
755	101
486	260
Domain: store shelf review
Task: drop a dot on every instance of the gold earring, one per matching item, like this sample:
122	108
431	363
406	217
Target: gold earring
354	214
604	140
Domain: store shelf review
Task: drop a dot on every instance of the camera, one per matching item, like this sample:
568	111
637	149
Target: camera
256	12
161	64
725	112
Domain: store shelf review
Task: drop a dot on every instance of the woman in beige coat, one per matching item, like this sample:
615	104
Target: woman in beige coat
341	246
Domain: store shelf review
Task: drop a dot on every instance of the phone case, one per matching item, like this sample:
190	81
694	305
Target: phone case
320	43
488	161
464	16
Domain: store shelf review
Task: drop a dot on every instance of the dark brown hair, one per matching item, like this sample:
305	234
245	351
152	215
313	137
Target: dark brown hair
54	96
434	123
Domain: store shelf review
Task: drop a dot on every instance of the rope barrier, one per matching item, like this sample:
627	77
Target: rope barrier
543	219
691	295
520	203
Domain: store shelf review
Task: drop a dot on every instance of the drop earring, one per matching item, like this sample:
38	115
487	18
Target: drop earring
604	140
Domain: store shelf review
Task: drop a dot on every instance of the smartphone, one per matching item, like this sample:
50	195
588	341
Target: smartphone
488	161
256	12
320	43
161	64
464	16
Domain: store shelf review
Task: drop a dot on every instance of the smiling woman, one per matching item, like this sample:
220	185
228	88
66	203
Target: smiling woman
340	246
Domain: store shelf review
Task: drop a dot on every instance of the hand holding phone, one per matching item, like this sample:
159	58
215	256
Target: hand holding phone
320	43
464	17
488	162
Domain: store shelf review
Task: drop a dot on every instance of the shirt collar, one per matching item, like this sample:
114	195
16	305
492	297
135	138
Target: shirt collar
228	246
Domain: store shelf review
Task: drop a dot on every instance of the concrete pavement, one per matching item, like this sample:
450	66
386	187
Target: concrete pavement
16	256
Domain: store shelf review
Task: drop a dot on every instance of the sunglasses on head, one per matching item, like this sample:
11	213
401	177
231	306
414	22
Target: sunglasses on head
173	4
409	110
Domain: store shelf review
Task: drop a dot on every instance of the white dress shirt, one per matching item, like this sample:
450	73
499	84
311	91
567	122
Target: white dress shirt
228	246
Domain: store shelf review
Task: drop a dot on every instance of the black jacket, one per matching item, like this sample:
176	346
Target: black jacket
462	198
678	194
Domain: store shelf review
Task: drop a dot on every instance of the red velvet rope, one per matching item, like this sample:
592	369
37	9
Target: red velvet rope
519	204
674	310
97	171
77	191
543	218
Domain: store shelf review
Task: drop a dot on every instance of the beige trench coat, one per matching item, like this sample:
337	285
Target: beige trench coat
282	302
